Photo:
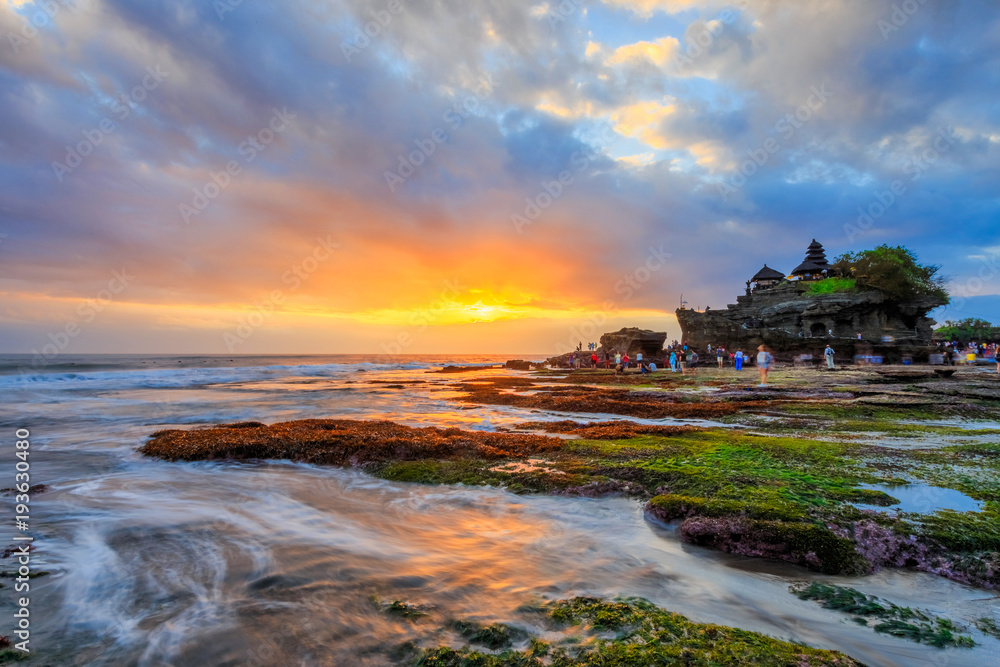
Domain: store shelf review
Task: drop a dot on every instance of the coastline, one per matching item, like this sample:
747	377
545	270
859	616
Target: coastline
781	473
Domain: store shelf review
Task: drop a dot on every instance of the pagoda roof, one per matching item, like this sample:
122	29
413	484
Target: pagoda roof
810	266
767	273
815	261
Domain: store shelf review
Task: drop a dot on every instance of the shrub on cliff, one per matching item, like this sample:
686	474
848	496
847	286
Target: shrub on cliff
833	285
894	271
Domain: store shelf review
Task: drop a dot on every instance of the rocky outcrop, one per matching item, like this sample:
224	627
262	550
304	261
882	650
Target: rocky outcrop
522	365
633	340
789	319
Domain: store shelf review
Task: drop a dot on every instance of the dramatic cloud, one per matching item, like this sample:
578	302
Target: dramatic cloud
473	175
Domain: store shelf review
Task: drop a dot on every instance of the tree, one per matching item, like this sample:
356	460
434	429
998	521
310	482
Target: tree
895	272
969	329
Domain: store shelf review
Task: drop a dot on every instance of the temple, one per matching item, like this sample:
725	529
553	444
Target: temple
792	316
814	266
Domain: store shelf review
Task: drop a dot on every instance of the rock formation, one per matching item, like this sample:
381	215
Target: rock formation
789	318
632	341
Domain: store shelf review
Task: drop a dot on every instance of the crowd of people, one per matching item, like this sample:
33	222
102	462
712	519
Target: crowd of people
681	358
954	353
678	357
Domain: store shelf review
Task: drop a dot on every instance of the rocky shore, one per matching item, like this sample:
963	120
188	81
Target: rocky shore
782	479
802	471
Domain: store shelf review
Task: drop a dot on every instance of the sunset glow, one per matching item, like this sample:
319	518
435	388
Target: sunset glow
282	160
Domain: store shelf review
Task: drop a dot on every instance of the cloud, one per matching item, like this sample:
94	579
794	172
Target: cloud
647	111
659	53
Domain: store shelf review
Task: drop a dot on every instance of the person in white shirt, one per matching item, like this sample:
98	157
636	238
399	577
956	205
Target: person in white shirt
764	361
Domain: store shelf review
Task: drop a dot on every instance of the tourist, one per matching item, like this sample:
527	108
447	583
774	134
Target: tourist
693	362
828	353
673	361
738	360
720	355
593	360
764	361
607	360
638	359
625	362
682	362
618	358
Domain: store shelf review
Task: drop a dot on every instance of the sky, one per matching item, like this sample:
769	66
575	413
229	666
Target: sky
424	176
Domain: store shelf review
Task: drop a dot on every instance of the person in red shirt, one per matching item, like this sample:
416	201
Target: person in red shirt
593	360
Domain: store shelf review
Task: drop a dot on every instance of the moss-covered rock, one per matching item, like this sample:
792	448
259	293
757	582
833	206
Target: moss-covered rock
644	635
813	546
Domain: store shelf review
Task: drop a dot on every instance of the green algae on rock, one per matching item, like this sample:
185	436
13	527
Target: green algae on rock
913	624
495	636
644	634
398	608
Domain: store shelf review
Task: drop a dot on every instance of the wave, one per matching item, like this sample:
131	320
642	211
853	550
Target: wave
188	377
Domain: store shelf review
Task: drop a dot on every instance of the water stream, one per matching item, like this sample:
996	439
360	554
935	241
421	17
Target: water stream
213	564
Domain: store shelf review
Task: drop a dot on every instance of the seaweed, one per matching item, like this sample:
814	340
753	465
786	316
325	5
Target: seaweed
913	624
645	634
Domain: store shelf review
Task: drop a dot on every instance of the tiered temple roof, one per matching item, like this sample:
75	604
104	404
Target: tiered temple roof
815	262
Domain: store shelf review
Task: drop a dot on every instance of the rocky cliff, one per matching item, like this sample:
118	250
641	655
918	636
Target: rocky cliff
788	318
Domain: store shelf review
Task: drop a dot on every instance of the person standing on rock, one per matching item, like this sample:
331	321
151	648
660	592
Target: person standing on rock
720	355
764	361
828	353
625	362
618	358
638	360
593	360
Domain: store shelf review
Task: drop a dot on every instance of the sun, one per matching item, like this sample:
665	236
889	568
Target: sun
480	312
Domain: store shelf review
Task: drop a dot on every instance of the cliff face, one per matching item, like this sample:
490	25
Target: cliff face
786	317
632	340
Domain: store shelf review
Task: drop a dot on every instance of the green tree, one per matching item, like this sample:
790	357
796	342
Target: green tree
969	329
895	272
